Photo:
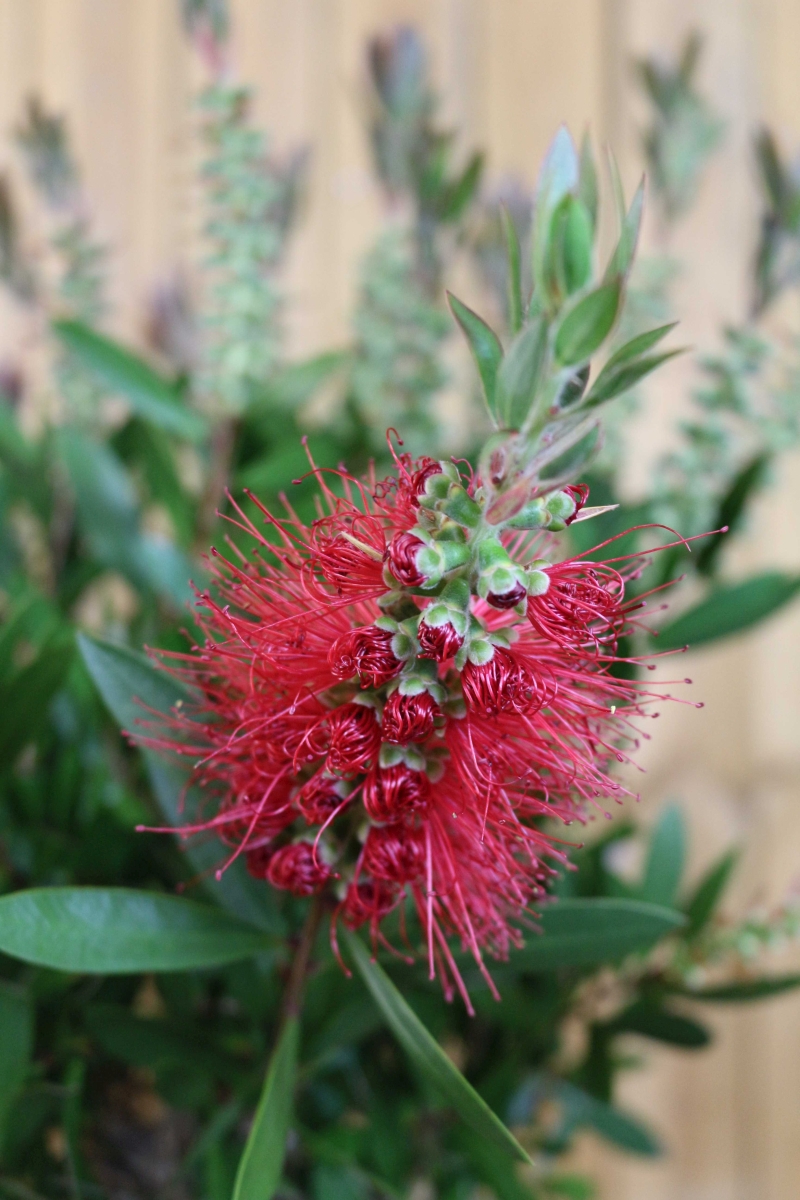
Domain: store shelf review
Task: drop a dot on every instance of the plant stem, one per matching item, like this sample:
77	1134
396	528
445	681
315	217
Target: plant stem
293	996
223	440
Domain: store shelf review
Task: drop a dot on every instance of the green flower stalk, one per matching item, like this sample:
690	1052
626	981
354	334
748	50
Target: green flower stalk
250	199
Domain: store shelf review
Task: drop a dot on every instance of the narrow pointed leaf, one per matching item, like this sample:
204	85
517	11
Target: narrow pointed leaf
149	394
746	991
588	190
576	246
586	932
519	374
428	1056
730	610
587	324
582	1109
574	458
130	685
704	899
113	931
558	176
622	259
16	1048
25	697
514	272
614	382
261	1164
484	344
731	510
110	521
665	859
653	1021
639	345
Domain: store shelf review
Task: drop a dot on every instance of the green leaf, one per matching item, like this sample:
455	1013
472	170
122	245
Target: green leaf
428	1056
514	272
746	991
588	190
583	933
622	259
731	510
261	1164
151	396
108	515
558	176
569	464
658	1023
492	1165
156	1042
639	345
151	450
25	697
587	324
519	374
458	194
577	238
574	1187
484	344
349	1023
624	1131
665	859
704	899
611	383
295	384
130	684
730	610
16	1048
120	931
285	461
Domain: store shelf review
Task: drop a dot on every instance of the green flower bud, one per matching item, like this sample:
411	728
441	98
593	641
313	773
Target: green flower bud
460	507
538	583
561	505
533	516
480	652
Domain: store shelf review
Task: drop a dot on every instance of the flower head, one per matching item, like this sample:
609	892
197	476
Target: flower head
404	746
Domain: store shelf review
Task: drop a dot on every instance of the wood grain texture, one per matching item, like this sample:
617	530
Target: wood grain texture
511	70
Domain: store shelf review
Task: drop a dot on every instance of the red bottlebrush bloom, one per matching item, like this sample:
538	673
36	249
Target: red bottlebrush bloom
298	870
508	599
502	685
321	797
392	793
354	738
408	718
439	642
394	853
258	860
369	901
583	607
423	469
367	653
278	742
402	559
580	494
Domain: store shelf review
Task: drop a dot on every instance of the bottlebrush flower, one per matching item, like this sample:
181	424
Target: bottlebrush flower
408	718
439	642
351	747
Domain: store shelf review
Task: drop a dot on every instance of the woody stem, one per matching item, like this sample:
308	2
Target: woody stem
293	996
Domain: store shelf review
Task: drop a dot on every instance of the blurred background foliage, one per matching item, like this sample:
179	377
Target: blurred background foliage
145	1086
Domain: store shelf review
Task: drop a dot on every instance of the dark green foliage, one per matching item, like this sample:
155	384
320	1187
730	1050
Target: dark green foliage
729	610
683	130
118	993
777	263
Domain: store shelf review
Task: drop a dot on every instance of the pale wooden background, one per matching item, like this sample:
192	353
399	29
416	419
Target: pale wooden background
511	71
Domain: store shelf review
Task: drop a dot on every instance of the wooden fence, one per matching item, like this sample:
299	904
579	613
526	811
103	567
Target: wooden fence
511	70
